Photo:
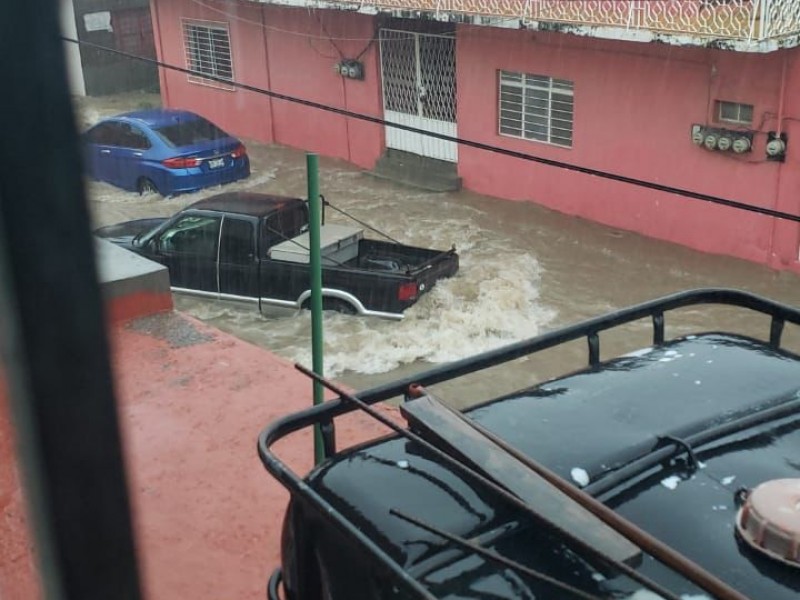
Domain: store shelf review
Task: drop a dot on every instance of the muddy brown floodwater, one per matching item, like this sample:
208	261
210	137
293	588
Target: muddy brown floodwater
524	271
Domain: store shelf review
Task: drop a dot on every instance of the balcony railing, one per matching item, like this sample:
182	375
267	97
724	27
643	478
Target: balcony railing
741	20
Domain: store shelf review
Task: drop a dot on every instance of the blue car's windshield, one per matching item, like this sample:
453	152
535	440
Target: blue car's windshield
187	133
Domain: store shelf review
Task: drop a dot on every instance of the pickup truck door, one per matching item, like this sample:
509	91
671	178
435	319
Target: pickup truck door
284	281
188	247
238	262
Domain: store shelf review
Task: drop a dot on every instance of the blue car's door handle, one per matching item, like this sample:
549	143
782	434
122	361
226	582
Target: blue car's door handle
137	153
105	151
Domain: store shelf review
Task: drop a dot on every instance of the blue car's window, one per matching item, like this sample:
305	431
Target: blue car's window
187	133
134	137
123	135
102	134
193	234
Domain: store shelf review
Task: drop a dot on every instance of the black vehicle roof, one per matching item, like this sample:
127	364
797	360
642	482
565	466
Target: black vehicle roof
611	415
594	421
252	204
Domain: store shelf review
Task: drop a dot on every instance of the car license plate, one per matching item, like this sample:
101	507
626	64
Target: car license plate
216	163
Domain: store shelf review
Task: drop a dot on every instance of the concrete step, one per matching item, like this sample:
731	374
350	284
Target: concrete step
418	171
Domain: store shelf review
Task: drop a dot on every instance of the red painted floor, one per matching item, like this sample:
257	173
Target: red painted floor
207	515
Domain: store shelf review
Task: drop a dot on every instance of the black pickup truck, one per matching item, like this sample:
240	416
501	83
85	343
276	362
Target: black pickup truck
669	473
254	248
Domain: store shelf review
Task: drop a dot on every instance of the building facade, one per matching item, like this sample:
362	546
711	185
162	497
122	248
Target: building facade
696	95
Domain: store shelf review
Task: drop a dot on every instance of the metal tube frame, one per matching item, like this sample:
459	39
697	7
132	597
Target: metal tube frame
588	329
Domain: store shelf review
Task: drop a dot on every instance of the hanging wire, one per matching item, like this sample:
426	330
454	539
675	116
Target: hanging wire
359	221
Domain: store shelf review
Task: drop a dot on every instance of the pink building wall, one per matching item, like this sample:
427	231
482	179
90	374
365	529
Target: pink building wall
634	107
279	49
302	66
240	112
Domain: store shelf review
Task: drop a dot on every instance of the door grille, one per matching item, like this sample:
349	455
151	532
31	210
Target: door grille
419	74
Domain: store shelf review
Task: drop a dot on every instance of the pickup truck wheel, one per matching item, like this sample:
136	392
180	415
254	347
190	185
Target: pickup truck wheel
146	187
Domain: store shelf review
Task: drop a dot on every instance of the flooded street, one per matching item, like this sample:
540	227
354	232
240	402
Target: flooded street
524	271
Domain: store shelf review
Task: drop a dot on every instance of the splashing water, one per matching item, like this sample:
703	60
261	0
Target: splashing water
485	306
475	312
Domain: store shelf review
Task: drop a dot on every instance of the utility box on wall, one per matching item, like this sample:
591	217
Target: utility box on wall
722	140
352	69
776	146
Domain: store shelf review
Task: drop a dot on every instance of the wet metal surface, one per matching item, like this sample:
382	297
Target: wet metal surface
578	421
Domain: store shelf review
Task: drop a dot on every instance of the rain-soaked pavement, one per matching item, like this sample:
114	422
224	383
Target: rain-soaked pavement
524	271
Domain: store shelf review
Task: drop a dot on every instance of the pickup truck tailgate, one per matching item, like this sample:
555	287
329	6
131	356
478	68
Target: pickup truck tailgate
424	265
444	264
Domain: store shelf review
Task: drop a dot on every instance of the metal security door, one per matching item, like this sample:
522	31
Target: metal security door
419	90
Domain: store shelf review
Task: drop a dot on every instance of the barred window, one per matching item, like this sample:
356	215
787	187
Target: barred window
208	51
536	107
733	112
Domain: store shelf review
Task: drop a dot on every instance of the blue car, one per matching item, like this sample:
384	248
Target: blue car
163	151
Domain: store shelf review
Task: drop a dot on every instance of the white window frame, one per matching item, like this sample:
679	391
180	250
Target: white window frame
738	107
550	115
219	60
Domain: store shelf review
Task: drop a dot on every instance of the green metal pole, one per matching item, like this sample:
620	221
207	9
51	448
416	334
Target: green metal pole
314	225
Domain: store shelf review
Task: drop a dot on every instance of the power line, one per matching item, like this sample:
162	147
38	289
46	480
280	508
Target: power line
448	138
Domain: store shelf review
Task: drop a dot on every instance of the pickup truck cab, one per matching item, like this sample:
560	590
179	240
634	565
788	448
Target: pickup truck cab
254	248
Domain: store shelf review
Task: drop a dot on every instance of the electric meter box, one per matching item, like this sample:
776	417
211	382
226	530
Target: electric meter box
338	244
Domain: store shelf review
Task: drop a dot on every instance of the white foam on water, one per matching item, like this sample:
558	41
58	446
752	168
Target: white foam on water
484	307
